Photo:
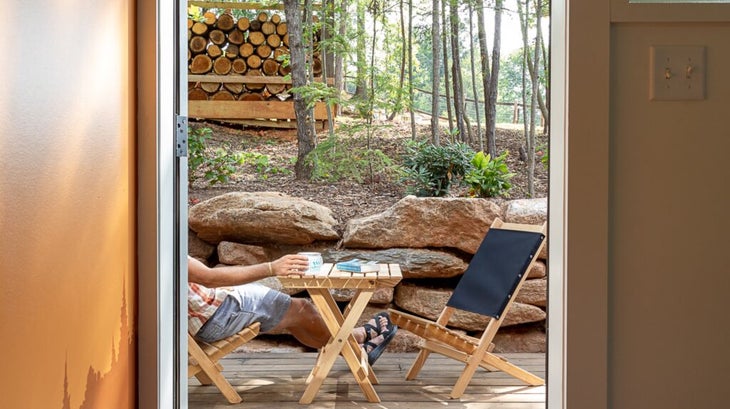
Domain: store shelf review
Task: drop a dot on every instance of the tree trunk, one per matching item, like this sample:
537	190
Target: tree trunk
447	83
410	70
361	64
402	77
306	136
327	57
491	119
435	72
486	76
464	134
339	60
474	77
533	104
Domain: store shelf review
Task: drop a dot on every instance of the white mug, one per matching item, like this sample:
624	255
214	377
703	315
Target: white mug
315	262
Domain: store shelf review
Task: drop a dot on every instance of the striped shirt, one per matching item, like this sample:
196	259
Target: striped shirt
202	303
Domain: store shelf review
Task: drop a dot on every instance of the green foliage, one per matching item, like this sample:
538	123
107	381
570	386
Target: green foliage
217	165
317	91
429	169
489	177
262	164
338	158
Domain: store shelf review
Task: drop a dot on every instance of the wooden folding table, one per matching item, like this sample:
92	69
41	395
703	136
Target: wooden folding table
340	325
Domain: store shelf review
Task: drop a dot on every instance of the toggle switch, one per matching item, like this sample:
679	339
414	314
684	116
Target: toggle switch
677	73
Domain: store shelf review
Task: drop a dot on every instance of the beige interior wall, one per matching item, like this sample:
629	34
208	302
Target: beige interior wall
646	212
67	204
587	206
668	275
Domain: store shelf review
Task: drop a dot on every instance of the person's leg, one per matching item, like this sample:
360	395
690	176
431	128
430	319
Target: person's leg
303	321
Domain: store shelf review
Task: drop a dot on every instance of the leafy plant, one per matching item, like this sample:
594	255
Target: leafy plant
262	164
489	177
217	165
337	158
429	169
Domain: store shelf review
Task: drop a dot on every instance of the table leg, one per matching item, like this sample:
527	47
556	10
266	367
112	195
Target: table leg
341	342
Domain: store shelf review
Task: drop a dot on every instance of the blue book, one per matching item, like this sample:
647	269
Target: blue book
358	266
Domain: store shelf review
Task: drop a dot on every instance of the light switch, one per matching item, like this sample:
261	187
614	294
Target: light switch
677	73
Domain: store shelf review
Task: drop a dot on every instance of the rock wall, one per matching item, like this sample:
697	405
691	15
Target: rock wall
432	239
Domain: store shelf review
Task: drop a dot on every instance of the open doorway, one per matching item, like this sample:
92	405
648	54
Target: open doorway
553	156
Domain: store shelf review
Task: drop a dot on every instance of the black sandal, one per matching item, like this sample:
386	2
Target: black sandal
388	326
368	332
377	349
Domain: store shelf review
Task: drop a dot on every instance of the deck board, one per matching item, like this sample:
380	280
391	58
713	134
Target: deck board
267	380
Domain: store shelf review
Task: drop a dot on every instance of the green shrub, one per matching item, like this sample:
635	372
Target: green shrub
337	158
216	165
489	177
429	169
262	164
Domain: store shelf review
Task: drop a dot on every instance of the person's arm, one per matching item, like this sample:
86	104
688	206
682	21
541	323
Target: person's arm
224	276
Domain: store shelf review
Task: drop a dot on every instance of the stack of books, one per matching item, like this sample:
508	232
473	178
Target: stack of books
358	266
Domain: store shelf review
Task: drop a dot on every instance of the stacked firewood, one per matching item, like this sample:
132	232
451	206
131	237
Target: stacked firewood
240	49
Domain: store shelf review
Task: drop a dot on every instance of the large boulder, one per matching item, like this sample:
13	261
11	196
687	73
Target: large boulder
521	338
414	263
527	211
262	217
420	222
429	302
242	254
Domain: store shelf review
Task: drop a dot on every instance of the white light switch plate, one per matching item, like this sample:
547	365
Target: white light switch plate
677	73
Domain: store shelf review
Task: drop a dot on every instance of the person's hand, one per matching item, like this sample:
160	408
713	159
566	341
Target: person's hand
290	264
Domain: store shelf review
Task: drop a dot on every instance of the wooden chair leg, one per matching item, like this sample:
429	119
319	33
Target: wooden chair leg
212	372
417	364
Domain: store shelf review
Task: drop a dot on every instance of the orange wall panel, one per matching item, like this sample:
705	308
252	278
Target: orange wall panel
67	169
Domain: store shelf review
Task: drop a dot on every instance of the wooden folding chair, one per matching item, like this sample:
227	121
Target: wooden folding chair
204	357
488	287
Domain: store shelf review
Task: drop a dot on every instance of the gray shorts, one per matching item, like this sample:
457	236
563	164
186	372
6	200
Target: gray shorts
257	304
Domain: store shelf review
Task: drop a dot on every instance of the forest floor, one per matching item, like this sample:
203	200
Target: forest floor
346	198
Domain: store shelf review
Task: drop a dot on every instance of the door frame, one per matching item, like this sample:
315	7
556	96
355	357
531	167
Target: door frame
161	206
162	247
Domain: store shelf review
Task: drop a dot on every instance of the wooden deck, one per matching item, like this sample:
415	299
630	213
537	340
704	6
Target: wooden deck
276	380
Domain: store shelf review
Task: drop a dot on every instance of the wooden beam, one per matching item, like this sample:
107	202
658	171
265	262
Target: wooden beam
249	110
245	79
243	6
